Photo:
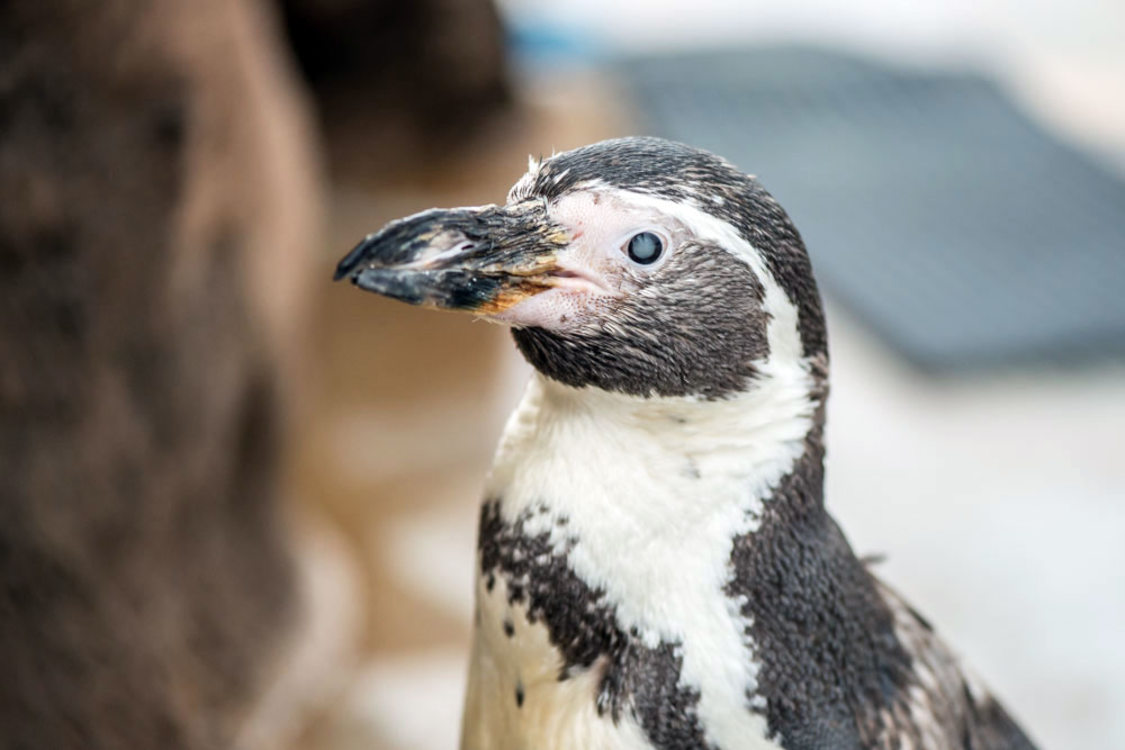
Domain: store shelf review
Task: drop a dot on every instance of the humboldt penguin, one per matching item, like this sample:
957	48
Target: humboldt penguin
656	568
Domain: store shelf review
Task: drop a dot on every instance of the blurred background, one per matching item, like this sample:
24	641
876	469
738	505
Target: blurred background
239	503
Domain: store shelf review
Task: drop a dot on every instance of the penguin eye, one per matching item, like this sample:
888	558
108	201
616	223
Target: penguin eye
645	248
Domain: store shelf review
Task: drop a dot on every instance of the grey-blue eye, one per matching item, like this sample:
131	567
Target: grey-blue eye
645	248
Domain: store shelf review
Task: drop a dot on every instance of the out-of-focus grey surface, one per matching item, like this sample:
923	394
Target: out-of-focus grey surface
939	213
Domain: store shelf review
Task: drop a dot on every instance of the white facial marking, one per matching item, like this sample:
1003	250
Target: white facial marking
783	333
600	227
601	219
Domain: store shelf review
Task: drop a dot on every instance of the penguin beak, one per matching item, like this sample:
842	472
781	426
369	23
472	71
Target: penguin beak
482	260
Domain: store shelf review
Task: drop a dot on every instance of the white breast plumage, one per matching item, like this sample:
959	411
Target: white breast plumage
643	502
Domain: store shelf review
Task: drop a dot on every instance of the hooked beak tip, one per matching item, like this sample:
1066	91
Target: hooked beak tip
353	259
405	287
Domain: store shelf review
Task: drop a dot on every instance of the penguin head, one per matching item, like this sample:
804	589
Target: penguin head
634	265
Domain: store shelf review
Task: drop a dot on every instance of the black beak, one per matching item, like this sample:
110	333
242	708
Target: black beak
483	260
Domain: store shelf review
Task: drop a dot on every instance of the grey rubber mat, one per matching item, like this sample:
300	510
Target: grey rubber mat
948	221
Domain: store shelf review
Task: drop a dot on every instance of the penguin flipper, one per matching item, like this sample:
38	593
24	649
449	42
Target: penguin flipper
951	701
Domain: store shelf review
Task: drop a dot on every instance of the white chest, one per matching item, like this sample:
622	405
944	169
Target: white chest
642	507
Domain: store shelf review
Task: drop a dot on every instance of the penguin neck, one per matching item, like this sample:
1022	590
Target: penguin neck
658	460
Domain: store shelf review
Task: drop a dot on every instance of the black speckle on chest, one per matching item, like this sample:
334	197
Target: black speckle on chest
582	625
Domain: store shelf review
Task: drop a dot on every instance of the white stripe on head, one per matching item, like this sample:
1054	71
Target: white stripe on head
783	333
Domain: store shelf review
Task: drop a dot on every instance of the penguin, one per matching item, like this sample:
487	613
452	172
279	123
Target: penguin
656	568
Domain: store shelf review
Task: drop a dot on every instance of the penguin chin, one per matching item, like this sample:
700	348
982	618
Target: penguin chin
572	304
